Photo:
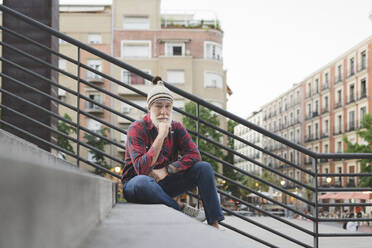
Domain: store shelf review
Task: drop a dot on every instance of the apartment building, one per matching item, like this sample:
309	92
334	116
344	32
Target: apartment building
336	98
283	116
184	50
252	137
318	112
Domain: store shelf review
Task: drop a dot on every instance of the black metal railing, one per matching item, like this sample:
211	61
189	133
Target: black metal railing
82	147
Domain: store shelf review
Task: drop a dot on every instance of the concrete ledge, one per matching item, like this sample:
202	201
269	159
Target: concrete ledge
45	201
137	225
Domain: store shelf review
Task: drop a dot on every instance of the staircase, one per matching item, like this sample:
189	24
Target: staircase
51	203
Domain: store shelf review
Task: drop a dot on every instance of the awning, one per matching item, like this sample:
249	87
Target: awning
347	195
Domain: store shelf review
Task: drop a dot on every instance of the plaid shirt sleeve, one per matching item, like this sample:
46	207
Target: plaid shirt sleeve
187	148
141	159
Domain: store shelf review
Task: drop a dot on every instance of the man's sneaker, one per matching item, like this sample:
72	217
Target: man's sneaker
194	212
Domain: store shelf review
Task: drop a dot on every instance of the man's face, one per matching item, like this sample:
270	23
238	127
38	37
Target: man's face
161	111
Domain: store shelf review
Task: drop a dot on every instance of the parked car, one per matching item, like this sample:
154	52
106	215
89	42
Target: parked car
274	209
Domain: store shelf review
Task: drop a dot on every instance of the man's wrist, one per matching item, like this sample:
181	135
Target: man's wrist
169	170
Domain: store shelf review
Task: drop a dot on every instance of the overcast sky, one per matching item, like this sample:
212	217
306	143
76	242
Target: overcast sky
271	44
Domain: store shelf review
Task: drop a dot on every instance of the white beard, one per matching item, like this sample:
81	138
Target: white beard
156	122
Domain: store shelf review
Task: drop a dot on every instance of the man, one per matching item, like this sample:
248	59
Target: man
153	173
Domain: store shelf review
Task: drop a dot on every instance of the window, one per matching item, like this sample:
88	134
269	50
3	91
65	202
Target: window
316	85
62	64
351	120
339	147
212	80
363	111
339	97
326	127
351	66
123	138
96	65
339	72
136	49
176	76
325	104
174	49
339	123
179	104
94	125
309	89
326	79
125	108
316	108
91	157
309	110
363	60
363	88
94	98
351	93
133	79
212	50
316	130
326	148
94	38
136	22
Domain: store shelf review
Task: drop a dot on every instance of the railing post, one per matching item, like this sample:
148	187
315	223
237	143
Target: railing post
78	111
315	197
197	124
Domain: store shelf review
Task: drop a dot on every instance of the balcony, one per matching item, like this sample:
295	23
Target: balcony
316	136
324	160
325	86
338	105
362	67
351	73
325	135
325	110
351	99
338	80
338	131
351	126
93	108
309	138
308	116
94	78
308	95
315	114
363	95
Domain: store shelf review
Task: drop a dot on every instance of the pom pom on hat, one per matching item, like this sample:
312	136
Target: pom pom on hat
158	92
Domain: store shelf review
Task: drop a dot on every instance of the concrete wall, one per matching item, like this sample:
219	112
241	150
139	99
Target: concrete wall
45	201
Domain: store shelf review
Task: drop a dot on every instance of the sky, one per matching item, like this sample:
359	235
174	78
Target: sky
269	45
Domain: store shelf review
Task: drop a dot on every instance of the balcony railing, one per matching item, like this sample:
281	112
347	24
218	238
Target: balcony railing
309	138
325	86
325	110
362	67
363	95
351	73
338	80
351	126
338	131
351	100
325	135
315	114
338	105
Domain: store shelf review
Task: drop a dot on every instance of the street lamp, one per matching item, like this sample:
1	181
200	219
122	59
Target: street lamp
117	169
282	182
328	180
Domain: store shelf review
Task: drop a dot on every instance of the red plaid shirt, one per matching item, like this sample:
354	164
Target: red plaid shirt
139	153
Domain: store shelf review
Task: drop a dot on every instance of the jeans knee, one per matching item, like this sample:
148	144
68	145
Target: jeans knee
204	167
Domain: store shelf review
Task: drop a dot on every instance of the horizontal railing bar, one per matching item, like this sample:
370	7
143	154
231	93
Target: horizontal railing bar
358	234
265	212
149	77
344	155
247	235
345	175
38	44
343	189
74	77
62	119
254	177
269	229
251	160
70	106
344	204
39	76
343	219
248	143
263	196
63	134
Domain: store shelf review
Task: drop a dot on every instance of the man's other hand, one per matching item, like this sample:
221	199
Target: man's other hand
159	174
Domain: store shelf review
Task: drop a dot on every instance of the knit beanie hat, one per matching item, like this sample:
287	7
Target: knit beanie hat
158	92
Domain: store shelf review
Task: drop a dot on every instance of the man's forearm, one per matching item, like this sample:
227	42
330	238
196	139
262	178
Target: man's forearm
157	146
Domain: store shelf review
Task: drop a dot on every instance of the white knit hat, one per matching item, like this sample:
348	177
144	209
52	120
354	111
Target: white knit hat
158	92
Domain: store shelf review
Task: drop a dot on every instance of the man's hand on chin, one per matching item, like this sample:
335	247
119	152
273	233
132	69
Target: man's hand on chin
159	174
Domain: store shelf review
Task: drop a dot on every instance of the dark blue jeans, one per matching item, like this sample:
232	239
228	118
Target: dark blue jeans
144	189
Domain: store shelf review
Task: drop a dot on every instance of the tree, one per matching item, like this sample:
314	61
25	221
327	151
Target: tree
99	144
206	115
67	129
227	170
365	164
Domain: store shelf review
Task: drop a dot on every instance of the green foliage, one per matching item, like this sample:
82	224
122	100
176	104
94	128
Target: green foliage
257	185
67	129
365	164
99	144
227	170
206	115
